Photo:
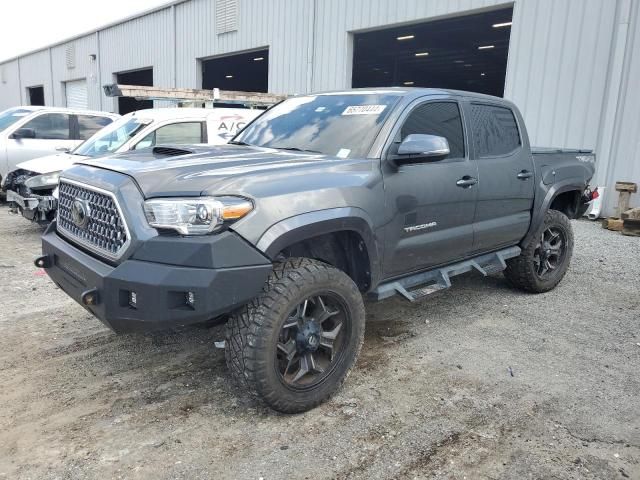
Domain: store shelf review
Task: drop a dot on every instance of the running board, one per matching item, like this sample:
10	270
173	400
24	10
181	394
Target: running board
419	285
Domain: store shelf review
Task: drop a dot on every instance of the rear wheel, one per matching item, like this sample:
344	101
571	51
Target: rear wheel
295	344
543	263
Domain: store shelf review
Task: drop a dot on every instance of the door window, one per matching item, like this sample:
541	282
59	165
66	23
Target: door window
50	126
495	131
437	118
90	124
174	134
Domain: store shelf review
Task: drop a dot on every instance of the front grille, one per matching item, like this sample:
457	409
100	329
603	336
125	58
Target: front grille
104	231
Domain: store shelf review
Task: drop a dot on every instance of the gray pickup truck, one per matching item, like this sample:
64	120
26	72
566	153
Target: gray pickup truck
321	199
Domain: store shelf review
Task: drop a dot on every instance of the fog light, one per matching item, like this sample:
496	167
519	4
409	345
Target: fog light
133	299
191	299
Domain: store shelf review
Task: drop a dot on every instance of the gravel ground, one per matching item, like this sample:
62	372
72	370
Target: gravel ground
480	381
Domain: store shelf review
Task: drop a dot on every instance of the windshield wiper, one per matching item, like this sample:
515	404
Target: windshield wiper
296	149
235	142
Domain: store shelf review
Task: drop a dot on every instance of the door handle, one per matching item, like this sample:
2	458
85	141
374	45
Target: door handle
524	174
466	181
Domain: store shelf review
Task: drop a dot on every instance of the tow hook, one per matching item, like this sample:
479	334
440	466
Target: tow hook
90	297
43	261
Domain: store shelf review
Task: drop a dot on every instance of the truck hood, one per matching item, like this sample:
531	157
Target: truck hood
50	163
225	169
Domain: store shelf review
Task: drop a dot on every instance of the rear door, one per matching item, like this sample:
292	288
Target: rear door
505	174
430	212
53	133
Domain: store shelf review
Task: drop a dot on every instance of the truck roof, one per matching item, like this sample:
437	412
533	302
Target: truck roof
412	92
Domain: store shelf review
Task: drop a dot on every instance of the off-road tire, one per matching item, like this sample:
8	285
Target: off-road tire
252	333
521	271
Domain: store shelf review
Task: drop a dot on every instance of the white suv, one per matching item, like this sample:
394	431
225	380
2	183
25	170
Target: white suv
31	132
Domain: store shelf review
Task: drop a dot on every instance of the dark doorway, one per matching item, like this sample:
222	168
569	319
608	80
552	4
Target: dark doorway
462	53
245	72
36	95
139	77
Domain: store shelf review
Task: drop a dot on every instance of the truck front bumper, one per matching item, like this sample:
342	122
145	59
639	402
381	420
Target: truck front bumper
34	208
139	295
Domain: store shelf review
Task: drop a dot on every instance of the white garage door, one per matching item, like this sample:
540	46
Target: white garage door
76	92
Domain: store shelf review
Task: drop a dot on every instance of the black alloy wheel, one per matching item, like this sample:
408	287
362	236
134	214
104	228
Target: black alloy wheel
311	341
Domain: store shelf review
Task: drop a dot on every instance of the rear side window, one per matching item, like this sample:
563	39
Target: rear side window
174	134
437	118
90	124
495	131
50	126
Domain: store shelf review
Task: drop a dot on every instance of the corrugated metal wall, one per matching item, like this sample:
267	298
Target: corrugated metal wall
623	162
139	43
573	64
282	25
84	68
10	88
35	71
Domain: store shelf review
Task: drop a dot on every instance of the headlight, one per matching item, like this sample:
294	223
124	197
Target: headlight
195	216
47	180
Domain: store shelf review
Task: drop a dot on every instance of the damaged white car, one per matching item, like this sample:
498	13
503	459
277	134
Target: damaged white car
31	188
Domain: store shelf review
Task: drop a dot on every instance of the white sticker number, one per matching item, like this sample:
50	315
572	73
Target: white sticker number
364	110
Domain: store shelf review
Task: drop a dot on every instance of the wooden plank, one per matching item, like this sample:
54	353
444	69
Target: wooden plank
614	224
627	187
191	94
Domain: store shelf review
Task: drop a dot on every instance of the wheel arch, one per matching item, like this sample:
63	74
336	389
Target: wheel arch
342	237
564	197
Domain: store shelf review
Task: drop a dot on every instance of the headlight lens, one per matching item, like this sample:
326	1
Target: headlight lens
195	216
46	180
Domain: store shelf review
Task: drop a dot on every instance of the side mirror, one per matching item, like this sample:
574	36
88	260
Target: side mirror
24	133
421	147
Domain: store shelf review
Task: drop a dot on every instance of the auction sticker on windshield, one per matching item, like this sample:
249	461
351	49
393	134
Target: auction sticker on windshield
364	110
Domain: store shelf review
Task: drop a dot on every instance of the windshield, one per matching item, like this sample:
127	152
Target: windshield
11	116
342	125
111	137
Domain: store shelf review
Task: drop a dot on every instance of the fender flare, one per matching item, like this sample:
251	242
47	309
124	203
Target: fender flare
539	213
308	225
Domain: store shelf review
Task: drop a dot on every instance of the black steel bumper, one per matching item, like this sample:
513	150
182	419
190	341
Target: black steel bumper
166	295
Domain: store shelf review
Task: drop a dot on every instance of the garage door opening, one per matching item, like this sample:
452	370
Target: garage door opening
36	95
139	77
245	72
462	53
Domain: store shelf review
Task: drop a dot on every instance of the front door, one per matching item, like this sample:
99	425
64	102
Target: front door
52	133
506	175
430	206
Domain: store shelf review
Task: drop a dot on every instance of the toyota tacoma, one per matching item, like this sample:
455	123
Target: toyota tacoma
321	200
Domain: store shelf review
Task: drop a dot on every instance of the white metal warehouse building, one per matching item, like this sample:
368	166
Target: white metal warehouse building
572	66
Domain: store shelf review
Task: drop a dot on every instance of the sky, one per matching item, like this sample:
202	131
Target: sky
27	25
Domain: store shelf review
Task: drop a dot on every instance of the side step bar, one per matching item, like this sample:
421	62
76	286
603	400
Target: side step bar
419	285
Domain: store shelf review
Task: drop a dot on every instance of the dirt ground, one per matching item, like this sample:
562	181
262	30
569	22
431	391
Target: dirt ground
480	381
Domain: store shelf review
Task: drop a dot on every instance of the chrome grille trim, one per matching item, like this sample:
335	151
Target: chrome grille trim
106	219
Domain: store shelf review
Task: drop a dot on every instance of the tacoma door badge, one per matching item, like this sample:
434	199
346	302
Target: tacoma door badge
424	226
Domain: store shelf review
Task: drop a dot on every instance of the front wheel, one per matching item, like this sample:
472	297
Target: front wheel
295	344
543	263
